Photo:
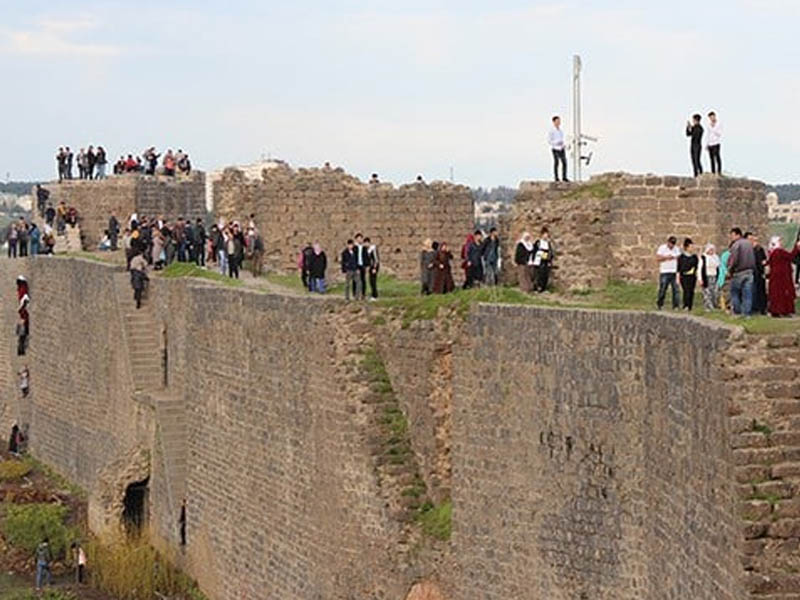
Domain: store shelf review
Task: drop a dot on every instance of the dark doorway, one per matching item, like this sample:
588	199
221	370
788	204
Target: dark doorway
134	512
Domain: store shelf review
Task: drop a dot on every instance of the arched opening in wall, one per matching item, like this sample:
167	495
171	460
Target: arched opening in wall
135	506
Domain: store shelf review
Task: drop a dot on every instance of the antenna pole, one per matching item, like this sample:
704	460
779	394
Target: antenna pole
577	136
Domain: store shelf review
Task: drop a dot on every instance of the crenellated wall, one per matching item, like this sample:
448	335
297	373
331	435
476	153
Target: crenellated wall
152	196
588	454
610	227
297	207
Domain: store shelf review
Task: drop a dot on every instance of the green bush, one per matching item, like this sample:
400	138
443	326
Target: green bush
25	525
436	520
14	469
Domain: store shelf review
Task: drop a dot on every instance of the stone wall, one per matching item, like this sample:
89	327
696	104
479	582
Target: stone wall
294	208
171	197
611	226
594	454
591	458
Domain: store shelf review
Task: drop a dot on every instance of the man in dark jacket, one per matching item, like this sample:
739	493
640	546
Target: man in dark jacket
491	257
695	131
350	269
475	261
200	243
306	255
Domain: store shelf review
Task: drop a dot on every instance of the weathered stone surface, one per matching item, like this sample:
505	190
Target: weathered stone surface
296	207
630	217
168	197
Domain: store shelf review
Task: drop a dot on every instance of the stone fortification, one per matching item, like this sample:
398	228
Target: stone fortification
295	207
152	196
588	454
611	226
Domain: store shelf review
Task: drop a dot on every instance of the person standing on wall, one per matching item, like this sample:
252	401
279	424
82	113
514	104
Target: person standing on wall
759	274
373	265
349	262
523	258
695	131
543	256
556	140
713	141
687	273
360	283
667	256
491	257
741	264
709	270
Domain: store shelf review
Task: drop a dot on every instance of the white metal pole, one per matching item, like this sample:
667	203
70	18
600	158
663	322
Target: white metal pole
576	118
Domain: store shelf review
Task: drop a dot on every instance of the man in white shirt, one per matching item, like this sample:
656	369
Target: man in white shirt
556	140
713	140
667	257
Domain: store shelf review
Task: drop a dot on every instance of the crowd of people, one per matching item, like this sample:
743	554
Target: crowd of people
91	163
147	163
155	243
744	280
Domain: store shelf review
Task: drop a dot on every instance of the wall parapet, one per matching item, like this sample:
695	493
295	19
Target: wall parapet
610	227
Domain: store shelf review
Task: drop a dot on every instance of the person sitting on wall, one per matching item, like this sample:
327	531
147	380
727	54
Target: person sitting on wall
130	164
105	243
184	165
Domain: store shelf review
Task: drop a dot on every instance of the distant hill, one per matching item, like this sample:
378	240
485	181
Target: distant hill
787	192
19	188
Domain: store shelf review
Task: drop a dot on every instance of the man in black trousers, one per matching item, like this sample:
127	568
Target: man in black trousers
695	131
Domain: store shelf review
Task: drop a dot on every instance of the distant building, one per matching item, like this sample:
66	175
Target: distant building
783	213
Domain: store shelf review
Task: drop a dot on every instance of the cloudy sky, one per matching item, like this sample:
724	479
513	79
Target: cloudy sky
400	87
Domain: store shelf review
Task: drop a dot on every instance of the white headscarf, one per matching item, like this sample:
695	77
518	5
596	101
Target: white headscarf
774	242
526	241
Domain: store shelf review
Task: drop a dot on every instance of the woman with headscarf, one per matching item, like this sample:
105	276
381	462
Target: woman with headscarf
781	295
426	257
442	271
523	258
709	269
316	269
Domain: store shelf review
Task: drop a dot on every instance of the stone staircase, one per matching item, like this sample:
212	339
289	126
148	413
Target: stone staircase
142	336
69	241
173	441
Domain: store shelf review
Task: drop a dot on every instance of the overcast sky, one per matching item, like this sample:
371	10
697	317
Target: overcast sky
400	87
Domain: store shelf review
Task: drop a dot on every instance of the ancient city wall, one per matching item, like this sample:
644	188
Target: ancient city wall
171	197
588	454
611	226
294	208
591	458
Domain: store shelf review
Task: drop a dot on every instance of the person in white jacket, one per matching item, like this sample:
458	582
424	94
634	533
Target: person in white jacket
713	141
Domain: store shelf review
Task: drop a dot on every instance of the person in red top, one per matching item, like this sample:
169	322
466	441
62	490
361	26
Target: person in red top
169	163
130	164
781	295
